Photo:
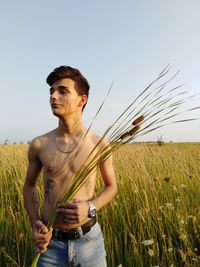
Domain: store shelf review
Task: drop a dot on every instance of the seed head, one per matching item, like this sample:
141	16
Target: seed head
124	135
138	120
134	130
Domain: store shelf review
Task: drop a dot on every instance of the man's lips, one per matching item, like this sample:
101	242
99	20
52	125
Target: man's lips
53	105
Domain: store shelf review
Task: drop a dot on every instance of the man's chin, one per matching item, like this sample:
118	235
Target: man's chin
57	114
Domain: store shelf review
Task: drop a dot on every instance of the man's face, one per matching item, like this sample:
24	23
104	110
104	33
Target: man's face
64	99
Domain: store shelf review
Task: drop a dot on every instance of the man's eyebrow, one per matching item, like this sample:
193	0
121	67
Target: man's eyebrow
63	87
59	88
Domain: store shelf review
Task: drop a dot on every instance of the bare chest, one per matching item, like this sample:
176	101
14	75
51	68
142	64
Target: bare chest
59	165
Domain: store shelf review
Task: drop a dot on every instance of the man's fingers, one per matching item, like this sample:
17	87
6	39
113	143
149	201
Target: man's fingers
66	220
38	238
67	211
40	242
42	238
69	205
41	227
41	248
62	205
71	217
75	201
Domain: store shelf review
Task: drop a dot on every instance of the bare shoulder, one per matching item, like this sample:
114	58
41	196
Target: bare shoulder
37	144
102	145
98	140
105	151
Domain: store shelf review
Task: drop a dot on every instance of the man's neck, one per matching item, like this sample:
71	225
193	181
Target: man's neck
70	127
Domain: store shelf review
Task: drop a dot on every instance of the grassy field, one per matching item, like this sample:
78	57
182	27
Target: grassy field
153	221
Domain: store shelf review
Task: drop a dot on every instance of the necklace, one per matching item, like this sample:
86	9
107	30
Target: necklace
69	146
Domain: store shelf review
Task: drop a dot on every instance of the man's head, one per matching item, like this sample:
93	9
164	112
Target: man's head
81	84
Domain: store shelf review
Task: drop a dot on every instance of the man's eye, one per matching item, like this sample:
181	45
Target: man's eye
51	91
63	92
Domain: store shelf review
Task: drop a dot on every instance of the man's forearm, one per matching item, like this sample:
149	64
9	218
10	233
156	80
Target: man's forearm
105	196
31	203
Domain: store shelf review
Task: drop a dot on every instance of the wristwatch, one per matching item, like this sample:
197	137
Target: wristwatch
92	210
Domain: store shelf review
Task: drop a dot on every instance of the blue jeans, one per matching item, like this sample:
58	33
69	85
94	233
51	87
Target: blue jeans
87	251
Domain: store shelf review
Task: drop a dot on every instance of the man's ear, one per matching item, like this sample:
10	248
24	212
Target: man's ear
83	100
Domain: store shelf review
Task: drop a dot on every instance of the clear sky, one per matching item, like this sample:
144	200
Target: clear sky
128	42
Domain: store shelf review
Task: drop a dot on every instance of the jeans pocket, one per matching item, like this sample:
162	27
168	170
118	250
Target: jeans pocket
94	233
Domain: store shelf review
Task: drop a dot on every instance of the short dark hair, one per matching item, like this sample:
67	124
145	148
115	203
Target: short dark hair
81	84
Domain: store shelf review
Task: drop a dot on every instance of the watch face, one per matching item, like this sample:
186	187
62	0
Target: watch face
93	213
92	210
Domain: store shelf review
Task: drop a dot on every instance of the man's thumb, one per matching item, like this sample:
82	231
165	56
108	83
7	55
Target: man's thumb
41	227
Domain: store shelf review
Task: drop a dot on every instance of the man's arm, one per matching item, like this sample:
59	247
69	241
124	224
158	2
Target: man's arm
110	188
41	234
30	186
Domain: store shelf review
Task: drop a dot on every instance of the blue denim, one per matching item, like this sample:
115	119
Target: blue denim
87	251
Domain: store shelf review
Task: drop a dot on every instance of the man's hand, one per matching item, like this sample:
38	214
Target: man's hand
41	236
73	212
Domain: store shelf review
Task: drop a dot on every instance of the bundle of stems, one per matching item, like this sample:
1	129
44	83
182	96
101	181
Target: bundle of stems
155	107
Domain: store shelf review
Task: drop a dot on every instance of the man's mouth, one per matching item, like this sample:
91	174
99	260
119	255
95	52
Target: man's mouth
55	105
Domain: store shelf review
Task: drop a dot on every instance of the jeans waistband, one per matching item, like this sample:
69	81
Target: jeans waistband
73	233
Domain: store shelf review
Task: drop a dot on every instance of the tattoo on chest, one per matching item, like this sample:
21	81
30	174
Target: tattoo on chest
50	185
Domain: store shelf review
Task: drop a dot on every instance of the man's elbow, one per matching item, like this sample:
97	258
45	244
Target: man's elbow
27	189
114	189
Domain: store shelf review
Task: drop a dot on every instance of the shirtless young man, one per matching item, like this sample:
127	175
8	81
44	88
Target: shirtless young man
76	238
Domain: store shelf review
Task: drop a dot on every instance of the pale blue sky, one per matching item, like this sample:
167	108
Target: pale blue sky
128	42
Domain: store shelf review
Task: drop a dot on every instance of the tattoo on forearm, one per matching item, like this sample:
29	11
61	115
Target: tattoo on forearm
35	198
50	184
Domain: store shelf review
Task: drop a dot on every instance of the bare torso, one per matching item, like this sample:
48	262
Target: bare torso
59	169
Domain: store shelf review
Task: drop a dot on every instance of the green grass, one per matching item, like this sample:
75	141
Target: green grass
158	199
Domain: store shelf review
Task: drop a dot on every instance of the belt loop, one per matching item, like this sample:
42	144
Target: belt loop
78	232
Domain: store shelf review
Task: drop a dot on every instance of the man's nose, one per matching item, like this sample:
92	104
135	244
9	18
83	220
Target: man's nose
54	96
